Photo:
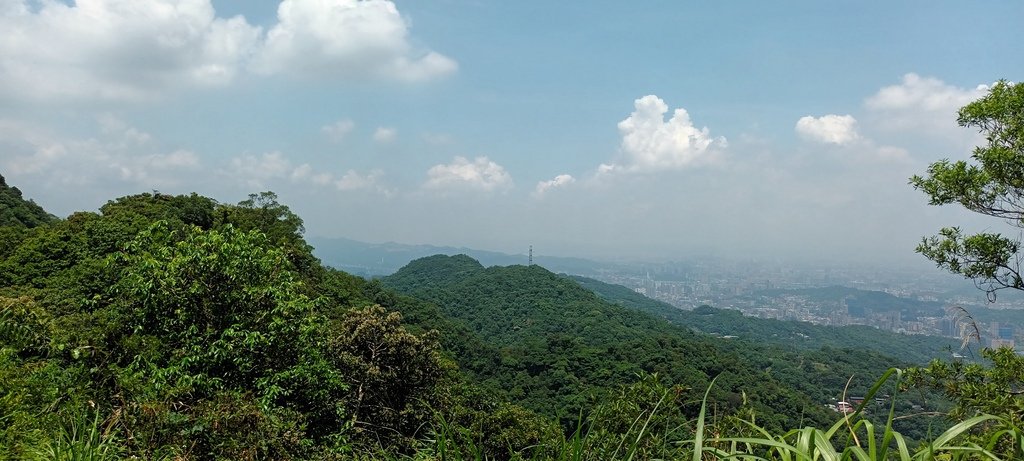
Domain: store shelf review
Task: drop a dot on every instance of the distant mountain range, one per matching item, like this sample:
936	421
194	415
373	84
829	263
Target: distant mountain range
376	259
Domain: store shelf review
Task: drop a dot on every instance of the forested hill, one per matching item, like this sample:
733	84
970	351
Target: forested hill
17	212
916	349
561	344
208	331
186	328
386	258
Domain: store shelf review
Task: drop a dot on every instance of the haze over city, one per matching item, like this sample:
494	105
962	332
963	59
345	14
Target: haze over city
600	130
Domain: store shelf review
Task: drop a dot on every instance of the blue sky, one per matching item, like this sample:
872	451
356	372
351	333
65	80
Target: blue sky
602	129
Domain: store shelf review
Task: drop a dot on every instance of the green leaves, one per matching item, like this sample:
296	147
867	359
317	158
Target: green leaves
958	182
225	308
393	374
995	389
864	442
82	440
990	259
993	186
999	114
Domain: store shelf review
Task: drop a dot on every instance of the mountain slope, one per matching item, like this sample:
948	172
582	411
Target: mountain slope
16	211
562	345
916	349
386	258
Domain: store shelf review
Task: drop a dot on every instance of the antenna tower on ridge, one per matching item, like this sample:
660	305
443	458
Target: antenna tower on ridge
531	255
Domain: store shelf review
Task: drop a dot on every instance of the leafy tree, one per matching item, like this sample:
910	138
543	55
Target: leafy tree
393	374
192	209
979	389
28	380
282	227
976	389
210	339
992	186
262	211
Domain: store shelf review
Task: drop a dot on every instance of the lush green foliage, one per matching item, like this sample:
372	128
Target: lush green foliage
177	327
562	348
993	186
655	430
392	374
995	388
195	338
15	211
815	360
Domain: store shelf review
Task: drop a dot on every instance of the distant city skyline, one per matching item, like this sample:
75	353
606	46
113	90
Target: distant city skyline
658	130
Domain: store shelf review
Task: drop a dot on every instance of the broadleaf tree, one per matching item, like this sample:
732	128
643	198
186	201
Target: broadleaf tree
992	185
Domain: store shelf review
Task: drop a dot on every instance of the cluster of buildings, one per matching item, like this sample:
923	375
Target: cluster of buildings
1003	335
767	291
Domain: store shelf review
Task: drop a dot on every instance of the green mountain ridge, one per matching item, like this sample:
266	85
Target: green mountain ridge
916	349
560	342
372	259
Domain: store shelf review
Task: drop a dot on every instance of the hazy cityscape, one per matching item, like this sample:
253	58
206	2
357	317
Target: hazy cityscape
918	302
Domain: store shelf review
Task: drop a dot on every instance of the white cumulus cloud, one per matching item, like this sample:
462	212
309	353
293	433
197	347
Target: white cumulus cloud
132	50
921	103
117	49
385	134
829	129
346	39
842	131
650	143
480	174
561	180
923	93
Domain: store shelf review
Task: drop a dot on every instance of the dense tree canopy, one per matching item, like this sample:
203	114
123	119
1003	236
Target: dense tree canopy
16	211
200	330
178	327
558	342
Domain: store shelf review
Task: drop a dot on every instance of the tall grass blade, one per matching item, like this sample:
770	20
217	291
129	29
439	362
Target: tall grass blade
698	436
941	442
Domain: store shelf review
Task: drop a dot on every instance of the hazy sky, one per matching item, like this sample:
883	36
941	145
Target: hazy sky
603	129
